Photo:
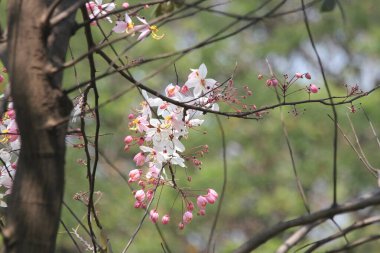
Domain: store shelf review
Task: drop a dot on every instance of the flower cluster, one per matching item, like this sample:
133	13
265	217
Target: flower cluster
159	129
127	26
10	145
97	10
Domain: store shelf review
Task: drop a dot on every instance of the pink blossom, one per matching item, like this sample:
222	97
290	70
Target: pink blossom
153	172
140	195
153	216
139	159
131	116
98	9
201	202
298	75
125	5
211	196
128	139
187	217
145	29
134	175
11	113
197	80
165	219
313	88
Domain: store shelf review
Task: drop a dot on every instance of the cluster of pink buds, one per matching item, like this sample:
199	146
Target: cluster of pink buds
285	83
158	129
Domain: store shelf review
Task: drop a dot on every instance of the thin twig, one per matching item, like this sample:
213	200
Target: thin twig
224	185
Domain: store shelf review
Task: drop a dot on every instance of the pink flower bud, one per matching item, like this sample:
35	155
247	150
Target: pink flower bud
141	141
165	219
137	204
128	139
190	206
184	89
202	212
149	194
140	195
153	215
1	78
298	75
211	196
181	226
201	202
313	88
139	159
307	75
126	148
131	116
187	217
134	175
125	5
274	82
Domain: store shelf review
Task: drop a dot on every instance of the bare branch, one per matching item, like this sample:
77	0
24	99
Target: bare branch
357	204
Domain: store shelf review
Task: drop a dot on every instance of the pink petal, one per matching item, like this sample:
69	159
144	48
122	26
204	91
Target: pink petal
120	27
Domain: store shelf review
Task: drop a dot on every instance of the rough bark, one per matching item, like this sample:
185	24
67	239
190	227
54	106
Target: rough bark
42	111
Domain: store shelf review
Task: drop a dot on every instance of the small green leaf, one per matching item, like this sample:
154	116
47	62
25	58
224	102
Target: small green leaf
328	5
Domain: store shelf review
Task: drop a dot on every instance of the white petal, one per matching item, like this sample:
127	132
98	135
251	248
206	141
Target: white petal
142	20
192	82
146	149
202	71
210	83
178	145
108	7
197	91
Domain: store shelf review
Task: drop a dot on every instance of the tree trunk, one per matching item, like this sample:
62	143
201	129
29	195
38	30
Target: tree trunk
42	112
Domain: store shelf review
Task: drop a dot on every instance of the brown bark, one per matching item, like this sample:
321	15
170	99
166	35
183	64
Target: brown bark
42	111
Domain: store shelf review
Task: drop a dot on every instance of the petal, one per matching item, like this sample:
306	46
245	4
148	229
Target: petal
202	71
109	7
99	2
143	34
197	91
128	18
192	83
178	145
143	20
120	27
210	84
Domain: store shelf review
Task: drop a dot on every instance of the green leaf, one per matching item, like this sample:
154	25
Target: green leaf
328	5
